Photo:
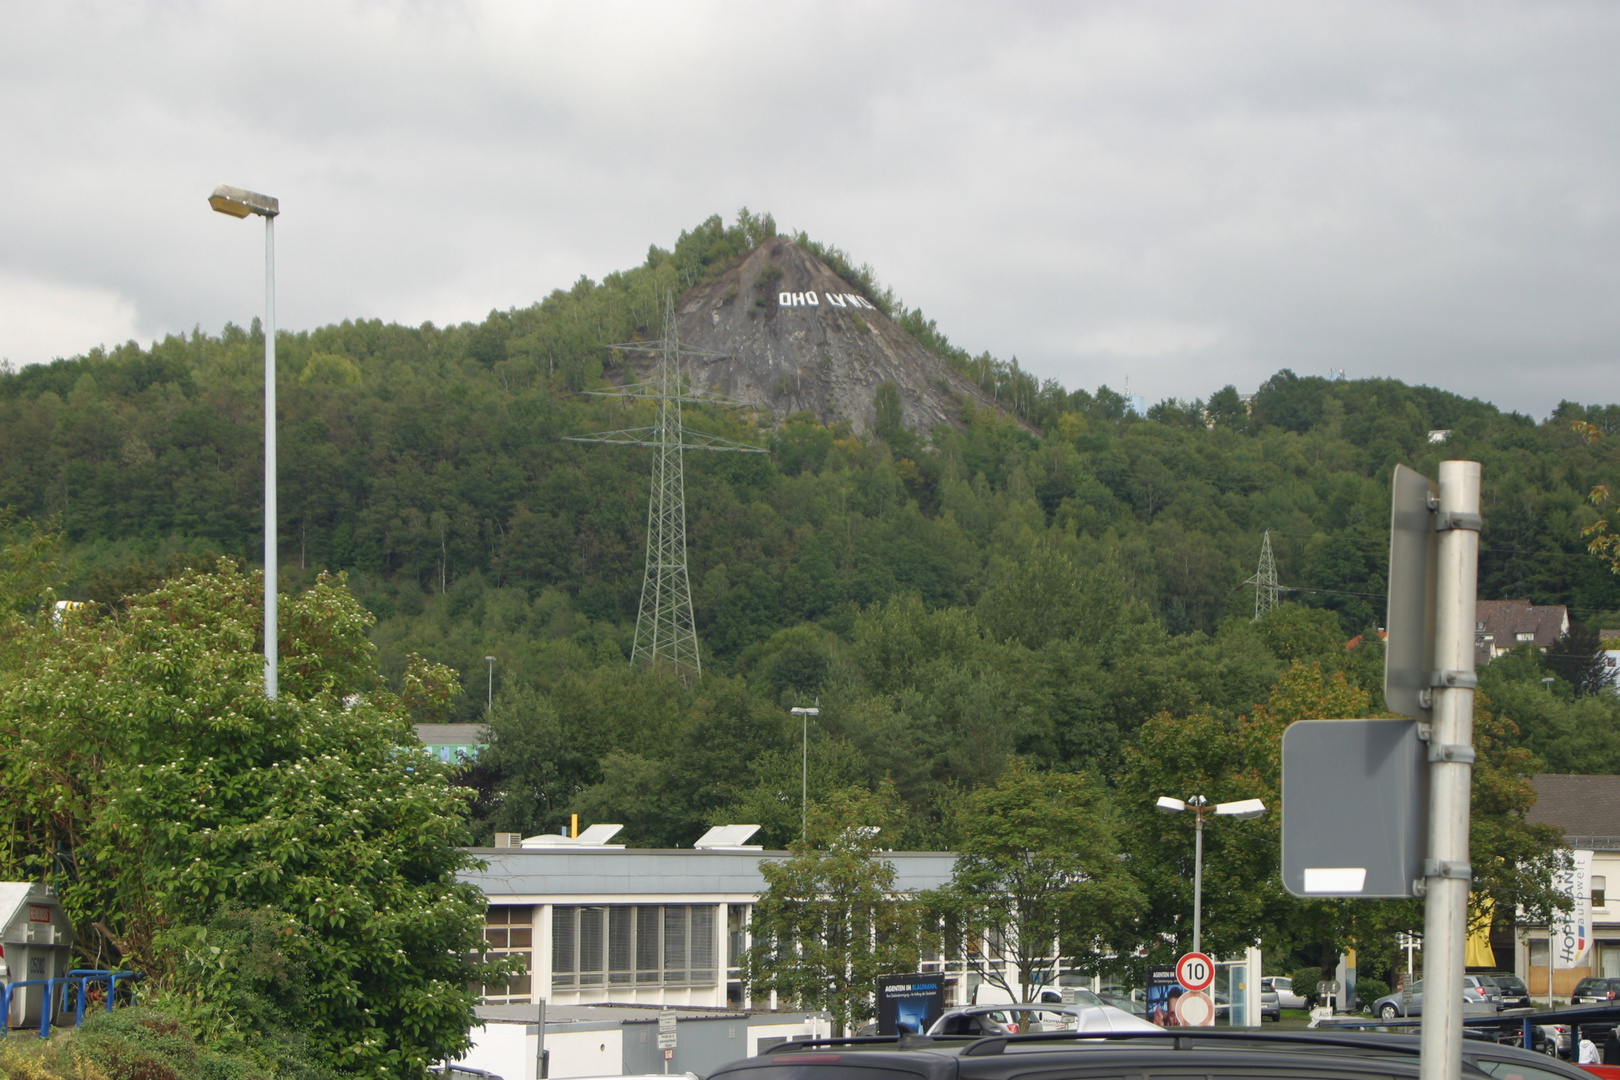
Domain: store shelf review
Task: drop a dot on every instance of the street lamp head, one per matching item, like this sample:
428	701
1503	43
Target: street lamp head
239	202
489	659
804	712
1167	805
1243	809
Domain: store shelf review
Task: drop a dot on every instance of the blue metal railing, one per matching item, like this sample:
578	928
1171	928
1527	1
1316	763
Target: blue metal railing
77	982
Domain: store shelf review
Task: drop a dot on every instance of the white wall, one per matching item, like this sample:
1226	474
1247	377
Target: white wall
586	1053
505	1049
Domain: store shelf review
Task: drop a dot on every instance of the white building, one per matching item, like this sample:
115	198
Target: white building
596	923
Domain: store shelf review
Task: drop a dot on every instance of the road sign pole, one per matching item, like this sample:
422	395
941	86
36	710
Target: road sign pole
1198	881
1446	871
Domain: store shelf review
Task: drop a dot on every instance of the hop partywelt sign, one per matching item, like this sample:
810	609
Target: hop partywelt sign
1571	931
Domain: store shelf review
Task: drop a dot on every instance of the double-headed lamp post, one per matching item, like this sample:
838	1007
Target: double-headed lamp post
804	774
239	203
1242	810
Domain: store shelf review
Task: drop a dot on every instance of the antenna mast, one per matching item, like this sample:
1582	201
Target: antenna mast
665	631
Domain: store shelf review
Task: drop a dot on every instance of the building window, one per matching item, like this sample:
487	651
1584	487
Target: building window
509	931
1599	886
1524	635
632	944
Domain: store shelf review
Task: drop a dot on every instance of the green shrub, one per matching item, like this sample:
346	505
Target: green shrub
1305	980
1369	989
136	1043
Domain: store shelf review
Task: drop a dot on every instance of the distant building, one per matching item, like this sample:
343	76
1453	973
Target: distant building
1610	640
596	923
451	743
1503	625
1439	435
1587	809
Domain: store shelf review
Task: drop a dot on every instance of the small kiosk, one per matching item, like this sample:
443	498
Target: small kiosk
37	942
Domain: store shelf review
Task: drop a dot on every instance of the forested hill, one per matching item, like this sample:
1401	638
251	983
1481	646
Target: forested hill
1044	592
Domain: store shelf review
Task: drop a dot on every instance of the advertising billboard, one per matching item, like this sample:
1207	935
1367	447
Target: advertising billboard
909	1004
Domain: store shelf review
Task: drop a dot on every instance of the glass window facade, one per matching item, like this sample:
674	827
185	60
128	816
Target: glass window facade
509	931
632	945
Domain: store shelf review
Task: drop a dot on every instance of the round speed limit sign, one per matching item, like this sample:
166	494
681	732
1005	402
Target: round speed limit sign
1195	971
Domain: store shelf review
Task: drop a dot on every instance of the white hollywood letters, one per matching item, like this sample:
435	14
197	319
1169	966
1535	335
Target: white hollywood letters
809	299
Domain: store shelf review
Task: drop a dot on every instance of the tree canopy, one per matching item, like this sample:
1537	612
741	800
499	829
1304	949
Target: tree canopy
283	866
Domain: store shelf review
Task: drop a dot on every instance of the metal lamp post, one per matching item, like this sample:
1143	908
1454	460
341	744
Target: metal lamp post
490	701
1242	810
804	774
239	203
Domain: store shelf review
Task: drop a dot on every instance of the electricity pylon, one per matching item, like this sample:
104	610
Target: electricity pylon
665	632
1264	581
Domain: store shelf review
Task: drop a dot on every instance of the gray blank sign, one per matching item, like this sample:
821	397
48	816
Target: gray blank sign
1355	800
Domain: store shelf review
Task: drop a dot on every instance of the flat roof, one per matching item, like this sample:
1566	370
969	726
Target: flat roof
452	734
660	872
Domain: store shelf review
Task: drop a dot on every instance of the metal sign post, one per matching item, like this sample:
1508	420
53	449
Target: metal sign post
1412	768
666	1036
1446	872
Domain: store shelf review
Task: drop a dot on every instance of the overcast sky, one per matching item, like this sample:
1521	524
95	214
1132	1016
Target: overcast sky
1184	195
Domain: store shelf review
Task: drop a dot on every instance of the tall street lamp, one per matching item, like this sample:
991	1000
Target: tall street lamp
804	773
1242	810
489	703
239	203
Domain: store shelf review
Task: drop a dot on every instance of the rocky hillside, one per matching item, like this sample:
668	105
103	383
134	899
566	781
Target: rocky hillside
799	338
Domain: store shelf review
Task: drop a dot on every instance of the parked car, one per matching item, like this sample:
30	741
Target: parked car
1284	989
1036	1018
1515	995
1270	1004
1129	1004
1595	990
1477	998
1276	1055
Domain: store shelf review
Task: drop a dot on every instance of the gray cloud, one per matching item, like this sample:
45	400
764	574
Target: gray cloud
1182	194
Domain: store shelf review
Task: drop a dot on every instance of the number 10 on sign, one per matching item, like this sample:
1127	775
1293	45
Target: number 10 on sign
1195	971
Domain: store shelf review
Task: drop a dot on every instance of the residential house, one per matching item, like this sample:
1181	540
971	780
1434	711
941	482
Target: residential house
1503	625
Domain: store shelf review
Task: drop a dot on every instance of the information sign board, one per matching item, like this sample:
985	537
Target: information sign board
1378	766
1409	623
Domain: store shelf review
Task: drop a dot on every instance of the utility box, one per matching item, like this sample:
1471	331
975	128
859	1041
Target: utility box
38	943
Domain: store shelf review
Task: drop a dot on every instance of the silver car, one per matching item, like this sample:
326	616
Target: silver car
980	1020
1284	989
1478	997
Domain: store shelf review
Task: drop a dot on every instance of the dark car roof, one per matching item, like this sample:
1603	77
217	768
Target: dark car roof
1061	1056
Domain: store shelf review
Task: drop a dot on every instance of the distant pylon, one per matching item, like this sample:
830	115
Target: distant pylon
1264	581
665	631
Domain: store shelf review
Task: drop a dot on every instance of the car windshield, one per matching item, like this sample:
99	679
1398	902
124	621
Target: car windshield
1510	982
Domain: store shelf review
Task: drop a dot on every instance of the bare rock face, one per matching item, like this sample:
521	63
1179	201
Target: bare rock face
798	338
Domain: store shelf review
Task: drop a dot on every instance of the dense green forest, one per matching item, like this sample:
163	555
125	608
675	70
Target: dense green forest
952	598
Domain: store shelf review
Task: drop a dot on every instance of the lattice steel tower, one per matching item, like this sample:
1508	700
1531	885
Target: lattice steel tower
1264	581
665	632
